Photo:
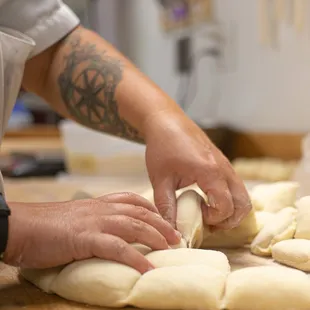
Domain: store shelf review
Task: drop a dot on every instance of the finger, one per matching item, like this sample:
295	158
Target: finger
165	200
242	204
134	231
130	199
155	220
220	202
114	248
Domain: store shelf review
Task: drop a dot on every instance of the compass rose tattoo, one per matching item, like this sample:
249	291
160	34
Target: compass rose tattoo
88	84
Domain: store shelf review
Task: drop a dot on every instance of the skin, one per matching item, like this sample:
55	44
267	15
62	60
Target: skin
84	78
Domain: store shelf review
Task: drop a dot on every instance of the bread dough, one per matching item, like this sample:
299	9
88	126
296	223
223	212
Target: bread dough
184	278
186	287
233	238
294	253
263	218
189	215
303	218
282	227
189	219
181	271
275	196
265	169
267	288
110	284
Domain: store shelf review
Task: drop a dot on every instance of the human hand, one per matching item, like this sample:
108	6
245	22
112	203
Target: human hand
50	234
179	154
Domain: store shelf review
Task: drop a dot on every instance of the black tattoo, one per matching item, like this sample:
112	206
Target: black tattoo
88	84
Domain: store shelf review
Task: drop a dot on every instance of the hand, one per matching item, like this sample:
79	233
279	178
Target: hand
179	154
52	234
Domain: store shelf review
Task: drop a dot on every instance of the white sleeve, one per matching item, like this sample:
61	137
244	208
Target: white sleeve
45	21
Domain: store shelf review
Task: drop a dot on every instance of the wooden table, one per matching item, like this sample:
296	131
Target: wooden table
15	292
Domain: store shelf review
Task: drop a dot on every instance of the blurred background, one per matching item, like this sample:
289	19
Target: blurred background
240	69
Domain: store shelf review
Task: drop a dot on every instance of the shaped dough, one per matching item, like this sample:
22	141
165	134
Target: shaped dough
110	284
96	282
294	253
275	196
263	218
189	218
303	218
179	287
267	288
282	227
214	259
233	238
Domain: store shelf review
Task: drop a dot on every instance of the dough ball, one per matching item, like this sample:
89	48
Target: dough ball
233	238
189	220
263	218
42	278
179	287
303	218
294	253
275	196
282	227
267	288
180	257
96	282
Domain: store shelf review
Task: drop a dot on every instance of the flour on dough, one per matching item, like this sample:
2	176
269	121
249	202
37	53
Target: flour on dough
294	253
275	196
267	288
282	227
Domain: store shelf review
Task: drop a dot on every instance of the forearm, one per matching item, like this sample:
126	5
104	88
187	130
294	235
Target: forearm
92	83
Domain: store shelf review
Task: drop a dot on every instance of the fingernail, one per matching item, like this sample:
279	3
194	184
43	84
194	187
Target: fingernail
178	234
150	268
211	201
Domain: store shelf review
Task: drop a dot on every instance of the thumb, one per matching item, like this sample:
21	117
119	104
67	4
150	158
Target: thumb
165	200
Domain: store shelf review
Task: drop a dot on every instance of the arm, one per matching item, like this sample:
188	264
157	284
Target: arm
90	82
86	79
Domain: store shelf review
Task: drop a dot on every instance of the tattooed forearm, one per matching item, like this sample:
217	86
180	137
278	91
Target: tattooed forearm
88	83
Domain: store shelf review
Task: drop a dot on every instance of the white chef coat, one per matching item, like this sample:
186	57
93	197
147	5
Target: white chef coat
27	27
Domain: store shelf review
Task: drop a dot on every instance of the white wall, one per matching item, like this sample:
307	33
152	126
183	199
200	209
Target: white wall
269	90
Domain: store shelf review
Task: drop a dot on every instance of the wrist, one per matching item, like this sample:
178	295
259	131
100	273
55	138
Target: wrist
162	121
4	225
12	255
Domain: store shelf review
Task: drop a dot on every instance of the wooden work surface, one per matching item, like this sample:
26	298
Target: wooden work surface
15	292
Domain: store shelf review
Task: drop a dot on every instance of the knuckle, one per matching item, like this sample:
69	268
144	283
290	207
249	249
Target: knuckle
142	212
121	248
137	225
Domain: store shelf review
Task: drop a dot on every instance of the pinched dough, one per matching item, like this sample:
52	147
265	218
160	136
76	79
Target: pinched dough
294	253
274	197
282	227
267	288
189	215
303	218
233	238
